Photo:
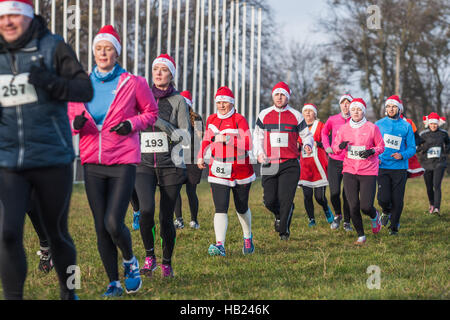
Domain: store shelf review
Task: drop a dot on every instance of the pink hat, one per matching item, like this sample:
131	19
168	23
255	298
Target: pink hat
187	96
168	61
433	118
358	103
395	100
22	7
282	88
225	94
110	34
310	106
346	96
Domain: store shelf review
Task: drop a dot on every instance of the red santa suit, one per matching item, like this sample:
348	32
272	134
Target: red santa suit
414	167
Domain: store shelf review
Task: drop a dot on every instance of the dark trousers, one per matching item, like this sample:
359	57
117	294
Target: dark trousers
221	197
433	181
334	179
191	191
360	193
53	187
319	195
391	192
279	192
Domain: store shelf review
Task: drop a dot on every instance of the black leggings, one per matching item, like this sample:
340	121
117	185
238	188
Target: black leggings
279	192
134	201
221	197
146	183
34	214
53	187
433	181
191	191
108	190
334	179
391	192
360	192
319	195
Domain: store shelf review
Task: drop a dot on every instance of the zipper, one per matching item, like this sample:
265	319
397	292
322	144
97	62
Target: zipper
154	153
21	135
99	144
58	131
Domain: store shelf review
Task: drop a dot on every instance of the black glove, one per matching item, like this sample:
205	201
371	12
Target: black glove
319	144
366	153
79	121
122	128
343	145
42	77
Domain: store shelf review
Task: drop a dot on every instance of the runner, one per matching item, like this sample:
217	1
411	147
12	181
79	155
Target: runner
39	72
275	146
313	173
109	150
335	163
414	167
361	142
194	173
400	145
158	166
433	156
228	136
136	212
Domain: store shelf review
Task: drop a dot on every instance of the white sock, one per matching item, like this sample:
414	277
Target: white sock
130	261
117	284
362	238
246	223
220	227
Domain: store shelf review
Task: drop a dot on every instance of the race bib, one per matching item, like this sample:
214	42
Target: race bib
16	90
279	139
305	155
434	152
221	169
392	142
154	142
355	151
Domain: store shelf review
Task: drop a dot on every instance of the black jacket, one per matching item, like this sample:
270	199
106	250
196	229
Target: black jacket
434	149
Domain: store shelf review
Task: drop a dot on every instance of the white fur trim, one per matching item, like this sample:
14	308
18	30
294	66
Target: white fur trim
225	99
166	62
189	102
282	91
310	107
357	104
107	37
345	96
15	7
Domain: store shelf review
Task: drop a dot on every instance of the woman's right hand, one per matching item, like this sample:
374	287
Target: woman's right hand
201	164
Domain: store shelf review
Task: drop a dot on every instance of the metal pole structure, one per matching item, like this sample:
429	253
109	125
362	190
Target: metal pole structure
36	7
124	35
208	64
202	55
136	38
103	12
90	37
230	41
169	29
177	40
186	47
53	16
158	51
112	8
147	43
216	48
252	63
194	80
258	65
244	52
236	62
224	22
65	20
77	28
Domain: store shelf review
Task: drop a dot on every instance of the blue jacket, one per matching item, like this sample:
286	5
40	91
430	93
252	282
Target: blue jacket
398	137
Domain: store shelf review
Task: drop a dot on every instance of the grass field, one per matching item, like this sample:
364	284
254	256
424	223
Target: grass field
316	263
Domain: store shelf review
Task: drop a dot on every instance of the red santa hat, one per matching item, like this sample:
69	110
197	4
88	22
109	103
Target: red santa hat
22	7
282	88
187	96
433	118
168	61
310	106
394	100
224	94
110	34
346	96
358	103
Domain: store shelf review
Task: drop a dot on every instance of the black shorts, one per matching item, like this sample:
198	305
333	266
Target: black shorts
166	176
194	174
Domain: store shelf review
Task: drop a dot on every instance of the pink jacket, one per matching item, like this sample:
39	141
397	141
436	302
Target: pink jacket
333	124
134	101
366	137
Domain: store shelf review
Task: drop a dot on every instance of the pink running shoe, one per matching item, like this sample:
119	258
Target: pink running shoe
431	209
149	266
167	271
376	224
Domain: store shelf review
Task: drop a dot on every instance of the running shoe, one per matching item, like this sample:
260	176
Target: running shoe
135	223
360	241
337	222
276	225
216	250
430	209
149	266
133	281
385	219
329	215
347	227
312	223
284	236
45	260
248	247
113	291
393	232
178	223
436	211
376	223
167	271
194	225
